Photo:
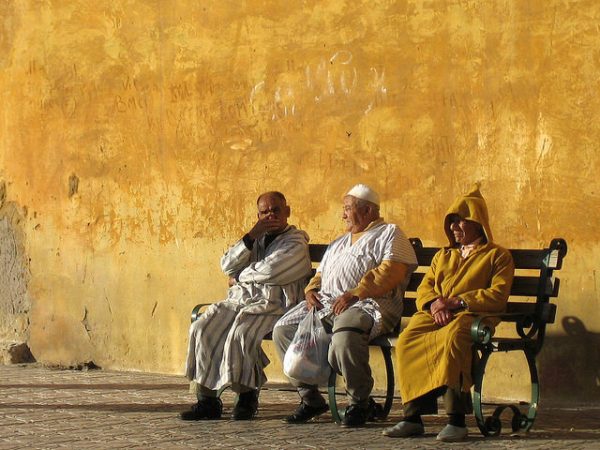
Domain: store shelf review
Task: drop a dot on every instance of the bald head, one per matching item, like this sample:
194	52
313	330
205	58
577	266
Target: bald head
276	194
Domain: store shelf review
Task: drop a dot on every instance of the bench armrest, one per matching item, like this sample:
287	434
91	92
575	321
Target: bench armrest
198	310
526	325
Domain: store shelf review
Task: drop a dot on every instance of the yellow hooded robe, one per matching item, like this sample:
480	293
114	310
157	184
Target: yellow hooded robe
430	356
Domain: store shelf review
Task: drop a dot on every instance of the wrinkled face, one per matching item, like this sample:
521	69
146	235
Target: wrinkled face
464	231
274	208
357	218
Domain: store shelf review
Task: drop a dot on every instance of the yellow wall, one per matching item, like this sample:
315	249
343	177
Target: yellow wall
135	136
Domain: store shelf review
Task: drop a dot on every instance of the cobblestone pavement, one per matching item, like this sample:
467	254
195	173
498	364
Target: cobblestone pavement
46	408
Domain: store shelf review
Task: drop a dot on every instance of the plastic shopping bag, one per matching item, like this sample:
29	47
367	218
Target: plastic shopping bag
306	357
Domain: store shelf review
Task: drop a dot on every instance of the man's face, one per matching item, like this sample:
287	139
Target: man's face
356	217
271	207
464	231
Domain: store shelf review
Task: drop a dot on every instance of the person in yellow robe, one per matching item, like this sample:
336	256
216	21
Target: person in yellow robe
472	275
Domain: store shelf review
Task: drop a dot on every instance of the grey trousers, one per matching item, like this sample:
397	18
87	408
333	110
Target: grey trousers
348	355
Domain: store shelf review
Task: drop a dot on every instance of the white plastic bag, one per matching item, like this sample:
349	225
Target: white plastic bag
306	357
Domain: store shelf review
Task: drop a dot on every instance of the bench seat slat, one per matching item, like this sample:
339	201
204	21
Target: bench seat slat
415	281
316	252
528	259
524	259
528	286
525	286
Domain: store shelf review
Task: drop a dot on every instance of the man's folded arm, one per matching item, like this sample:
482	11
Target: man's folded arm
283	266
235	259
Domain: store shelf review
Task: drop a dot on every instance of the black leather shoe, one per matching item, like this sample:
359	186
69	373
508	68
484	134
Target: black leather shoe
304	413
246	406
374	410
355	416
206	409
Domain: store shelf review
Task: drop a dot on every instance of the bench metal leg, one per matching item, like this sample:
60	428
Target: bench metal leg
526	421
335	414
389	373
492	425
220	391
381	413
488	426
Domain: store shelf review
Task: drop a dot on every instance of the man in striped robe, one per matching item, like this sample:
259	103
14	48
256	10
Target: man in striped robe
359	286
268	269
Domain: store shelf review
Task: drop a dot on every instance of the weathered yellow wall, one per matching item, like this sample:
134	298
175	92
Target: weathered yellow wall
135	136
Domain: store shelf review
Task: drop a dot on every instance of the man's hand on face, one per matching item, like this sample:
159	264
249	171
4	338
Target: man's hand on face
343	302
313	300
263	226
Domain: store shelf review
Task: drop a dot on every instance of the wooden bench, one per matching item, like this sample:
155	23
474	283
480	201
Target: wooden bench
529	308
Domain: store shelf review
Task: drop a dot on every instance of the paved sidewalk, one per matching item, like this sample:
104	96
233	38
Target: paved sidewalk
46	408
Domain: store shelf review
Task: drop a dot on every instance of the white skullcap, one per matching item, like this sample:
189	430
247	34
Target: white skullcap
364	192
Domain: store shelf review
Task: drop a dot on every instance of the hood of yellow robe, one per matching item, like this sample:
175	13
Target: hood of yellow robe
470	206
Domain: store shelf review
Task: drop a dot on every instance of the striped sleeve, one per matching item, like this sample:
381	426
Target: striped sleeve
236	258
399	249
289	262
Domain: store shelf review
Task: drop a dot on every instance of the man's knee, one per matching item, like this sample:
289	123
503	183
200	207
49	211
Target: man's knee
197	327
346	346
278	335
460	327
353	318
283	335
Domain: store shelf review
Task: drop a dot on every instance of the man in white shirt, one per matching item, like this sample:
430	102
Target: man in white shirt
359	286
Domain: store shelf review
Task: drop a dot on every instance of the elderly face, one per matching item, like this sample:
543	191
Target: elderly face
274	208
464	231
357	217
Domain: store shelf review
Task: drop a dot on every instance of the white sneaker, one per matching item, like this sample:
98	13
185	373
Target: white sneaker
404	429
452	433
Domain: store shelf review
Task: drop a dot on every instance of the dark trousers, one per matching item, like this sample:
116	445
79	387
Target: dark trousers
455	402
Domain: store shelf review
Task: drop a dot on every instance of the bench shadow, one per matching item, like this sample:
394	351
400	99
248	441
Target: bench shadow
99	387
569	366
105	407
554	423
